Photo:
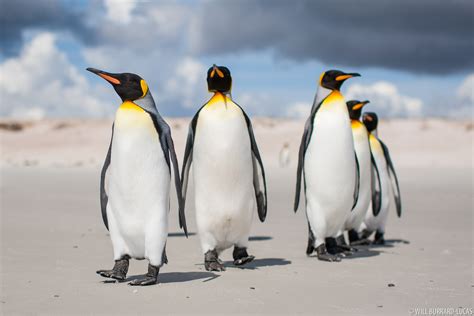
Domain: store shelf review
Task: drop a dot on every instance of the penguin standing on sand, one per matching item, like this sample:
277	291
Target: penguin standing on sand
376	217
228	173
135	180
367	191
328	166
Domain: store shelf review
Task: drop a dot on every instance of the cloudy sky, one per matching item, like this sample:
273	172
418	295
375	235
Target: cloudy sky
416	57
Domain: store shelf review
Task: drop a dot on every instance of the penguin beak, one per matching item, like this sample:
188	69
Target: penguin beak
360	105
347	76
105	75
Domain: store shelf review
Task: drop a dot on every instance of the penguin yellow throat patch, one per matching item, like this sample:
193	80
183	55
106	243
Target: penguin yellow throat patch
355	124
130	106
218	98
334	96
130	116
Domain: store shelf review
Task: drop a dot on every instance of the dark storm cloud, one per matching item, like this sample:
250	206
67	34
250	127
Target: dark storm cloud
428	36
17	16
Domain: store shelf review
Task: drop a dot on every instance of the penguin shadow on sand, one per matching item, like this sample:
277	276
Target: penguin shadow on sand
390	243
174	277
373	249
259	263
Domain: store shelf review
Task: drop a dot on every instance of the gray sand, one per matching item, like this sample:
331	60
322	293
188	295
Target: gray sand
53	241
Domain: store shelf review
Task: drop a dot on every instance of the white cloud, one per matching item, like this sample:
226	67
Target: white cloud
385	99
42	80
120	11
465	99
187	82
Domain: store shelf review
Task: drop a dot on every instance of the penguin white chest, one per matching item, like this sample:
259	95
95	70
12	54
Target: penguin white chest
223	175
378	222
362	149
329	168
138	184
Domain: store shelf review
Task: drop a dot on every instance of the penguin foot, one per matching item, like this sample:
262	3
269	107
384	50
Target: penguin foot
334	249
150	278
365	234
212	261
244	260
341	243
118	272
241	256
323	254
310	248
378	239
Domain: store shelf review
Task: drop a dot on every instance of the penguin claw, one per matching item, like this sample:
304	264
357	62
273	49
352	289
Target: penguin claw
143	282
329	258
111	274
244	260
214	266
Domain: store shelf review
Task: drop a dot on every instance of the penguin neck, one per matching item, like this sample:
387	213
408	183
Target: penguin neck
147	103
356	123
321	94
334	102
219	97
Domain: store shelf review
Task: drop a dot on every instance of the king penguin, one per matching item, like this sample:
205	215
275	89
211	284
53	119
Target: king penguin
367	191
328	166
135	180
228	174
376	217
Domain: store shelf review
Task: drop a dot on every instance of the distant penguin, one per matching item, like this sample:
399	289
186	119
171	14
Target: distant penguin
376	218
135	180
328	166
367	191
228	173
284	157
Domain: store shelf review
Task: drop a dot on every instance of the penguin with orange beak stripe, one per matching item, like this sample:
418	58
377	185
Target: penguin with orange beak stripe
135	180
367	188
327	165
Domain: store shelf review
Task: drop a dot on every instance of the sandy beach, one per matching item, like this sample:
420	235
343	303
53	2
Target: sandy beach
53	239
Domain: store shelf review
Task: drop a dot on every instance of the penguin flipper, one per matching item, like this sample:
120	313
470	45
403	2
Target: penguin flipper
376	187
167	145
177	182
259	180
188	155
357	181
308	131
299	169
103	194
393	178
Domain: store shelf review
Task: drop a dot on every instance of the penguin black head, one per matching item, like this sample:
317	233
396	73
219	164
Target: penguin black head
333	79
355	108
219	79
370	120
128	86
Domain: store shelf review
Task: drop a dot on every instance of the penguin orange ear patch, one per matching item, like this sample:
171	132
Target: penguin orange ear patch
144	87
109	78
